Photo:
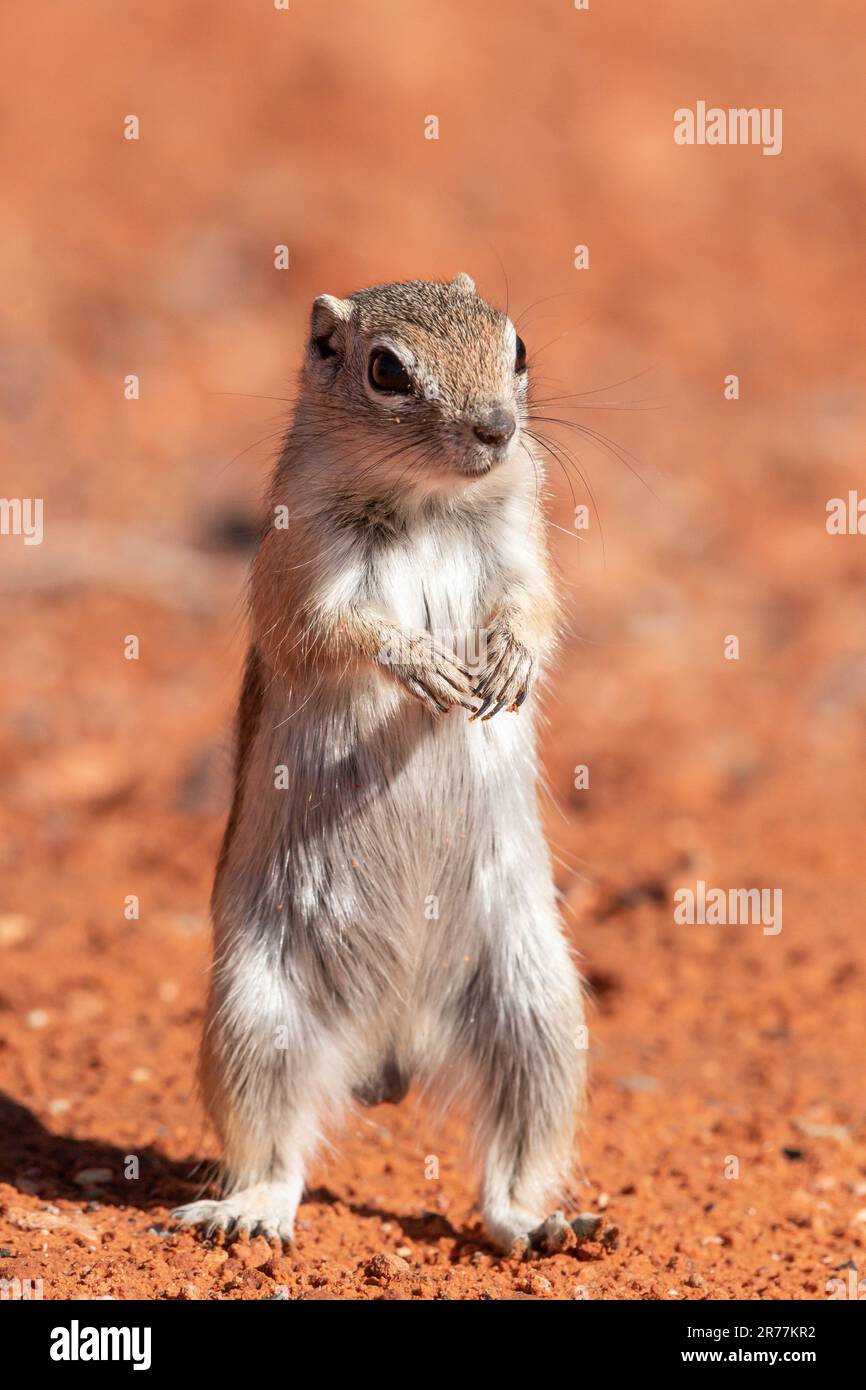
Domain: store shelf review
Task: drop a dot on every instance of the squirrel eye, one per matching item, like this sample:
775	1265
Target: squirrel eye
520	356
387	373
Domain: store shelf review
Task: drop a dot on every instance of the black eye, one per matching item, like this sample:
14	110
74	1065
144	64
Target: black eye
520	356
387	373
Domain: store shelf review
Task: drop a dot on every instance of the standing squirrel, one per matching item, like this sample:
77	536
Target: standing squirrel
384	907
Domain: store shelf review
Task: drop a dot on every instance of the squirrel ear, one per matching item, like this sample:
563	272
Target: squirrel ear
462	284
327	324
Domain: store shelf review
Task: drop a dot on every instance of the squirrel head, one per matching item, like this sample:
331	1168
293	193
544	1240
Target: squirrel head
425	377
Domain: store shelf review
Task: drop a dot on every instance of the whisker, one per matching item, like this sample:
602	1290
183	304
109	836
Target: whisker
546	443
618	451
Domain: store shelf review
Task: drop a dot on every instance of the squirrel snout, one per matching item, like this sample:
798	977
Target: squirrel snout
494	426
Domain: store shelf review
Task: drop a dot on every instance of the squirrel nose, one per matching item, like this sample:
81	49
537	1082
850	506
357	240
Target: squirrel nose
495	426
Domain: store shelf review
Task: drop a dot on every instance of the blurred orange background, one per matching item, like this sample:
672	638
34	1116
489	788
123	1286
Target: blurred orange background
155	257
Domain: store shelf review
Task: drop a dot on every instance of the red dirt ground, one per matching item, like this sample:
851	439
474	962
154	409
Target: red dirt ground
708	1044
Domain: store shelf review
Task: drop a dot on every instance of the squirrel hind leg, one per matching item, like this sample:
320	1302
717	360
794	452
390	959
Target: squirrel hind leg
524	1066
272	1085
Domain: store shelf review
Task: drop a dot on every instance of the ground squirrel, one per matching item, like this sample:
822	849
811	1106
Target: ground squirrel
384	906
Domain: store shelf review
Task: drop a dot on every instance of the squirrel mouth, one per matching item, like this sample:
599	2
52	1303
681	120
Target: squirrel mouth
477	463
478	468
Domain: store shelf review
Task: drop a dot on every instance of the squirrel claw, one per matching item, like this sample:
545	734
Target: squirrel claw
495	710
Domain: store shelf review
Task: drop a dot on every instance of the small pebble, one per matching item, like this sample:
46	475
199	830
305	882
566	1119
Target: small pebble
838	1132
87	1176
535	1285
637	1083
386	1267
14	928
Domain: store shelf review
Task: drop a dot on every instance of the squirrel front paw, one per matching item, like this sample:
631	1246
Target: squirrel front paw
429	672
509	670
